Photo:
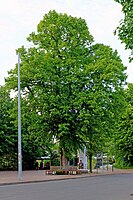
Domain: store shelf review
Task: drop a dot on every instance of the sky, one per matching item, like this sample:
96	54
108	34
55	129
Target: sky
18	18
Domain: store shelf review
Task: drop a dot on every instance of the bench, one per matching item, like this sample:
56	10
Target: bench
69	170
52	170
73	170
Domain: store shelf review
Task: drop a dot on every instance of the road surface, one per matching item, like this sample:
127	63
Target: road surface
109	187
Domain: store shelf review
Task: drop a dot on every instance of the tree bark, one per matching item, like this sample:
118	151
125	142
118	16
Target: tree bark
90	162
63	158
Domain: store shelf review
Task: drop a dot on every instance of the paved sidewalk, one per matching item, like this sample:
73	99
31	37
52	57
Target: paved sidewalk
11	177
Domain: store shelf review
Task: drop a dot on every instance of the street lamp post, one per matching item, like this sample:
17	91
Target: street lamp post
19	124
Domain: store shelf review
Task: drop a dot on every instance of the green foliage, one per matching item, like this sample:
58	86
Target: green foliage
7	130
51	78
61	172
32	142
8	135
125	29
124	137
101	100
72	90
8	161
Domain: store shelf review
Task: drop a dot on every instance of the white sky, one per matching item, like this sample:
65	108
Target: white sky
18	18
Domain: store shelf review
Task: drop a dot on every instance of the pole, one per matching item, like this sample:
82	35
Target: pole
19	124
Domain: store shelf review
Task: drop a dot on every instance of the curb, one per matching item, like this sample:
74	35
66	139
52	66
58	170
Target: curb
63	178
44	180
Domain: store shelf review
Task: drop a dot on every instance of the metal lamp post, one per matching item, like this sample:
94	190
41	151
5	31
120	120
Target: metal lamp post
19	124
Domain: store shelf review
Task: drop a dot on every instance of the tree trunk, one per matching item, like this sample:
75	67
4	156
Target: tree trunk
90	162
63	158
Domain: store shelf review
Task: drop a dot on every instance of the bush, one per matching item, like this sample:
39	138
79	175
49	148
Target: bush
61	172
8	162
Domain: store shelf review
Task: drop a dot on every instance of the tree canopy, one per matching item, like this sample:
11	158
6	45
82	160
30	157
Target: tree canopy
72	90
125	29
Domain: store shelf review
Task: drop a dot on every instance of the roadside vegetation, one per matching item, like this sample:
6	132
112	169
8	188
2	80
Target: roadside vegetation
72	94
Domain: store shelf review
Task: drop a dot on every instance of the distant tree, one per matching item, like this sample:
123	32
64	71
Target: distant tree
8	135
125	29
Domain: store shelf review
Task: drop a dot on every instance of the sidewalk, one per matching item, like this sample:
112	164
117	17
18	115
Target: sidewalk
11	177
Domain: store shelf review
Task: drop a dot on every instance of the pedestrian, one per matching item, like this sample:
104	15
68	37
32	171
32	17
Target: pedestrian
36	165
41	165
81	165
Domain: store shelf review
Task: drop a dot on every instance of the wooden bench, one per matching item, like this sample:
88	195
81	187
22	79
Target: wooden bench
73	170
53	170
69	170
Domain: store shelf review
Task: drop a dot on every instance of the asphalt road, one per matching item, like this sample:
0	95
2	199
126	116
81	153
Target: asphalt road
113	187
